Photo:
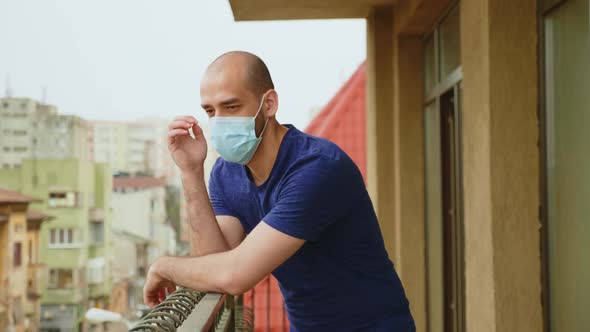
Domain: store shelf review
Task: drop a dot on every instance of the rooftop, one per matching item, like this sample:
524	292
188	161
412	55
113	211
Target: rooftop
10	196
138	182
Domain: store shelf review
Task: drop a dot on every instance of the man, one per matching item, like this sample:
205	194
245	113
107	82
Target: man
281	202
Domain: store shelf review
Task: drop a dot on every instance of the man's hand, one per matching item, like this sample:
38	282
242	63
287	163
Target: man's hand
188	153
156	286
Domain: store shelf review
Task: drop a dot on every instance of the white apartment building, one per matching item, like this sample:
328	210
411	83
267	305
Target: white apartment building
33	130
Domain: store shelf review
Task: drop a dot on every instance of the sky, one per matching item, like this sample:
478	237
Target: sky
124	60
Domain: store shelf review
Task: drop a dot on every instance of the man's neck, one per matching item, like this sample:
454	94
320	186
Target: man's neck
264	159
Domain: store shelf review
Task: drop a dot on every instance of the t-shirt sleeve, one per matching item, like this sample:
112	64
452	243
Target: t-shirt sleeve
216	195
313	197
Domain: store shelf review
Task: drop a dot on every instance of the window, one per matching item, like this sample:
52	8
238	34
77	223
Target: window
63	238
19	228
17	258
567	101
6	148
95	270
61	278
31	252
62	199
450	45
442	55
5	104
97	232
19	132
20	149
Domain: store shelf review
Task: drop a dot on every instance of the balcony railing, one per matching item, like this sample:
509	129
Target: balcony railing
189	311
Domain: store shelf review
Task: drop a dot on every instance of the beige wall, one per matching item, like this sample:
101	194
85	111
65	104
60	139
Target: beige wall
395	150
501	165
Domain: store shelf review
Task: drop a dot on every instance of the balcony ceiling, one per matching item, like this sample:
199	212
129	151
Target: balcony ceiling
263	10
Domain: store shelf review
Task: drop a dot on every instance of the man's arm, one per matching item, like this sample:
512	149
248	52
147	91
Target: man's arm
208	234
232	272
189	154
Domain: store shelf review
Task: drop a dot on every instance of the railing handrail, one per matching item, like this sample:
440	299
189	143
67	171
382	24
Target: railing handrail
204	317
170	313
186	310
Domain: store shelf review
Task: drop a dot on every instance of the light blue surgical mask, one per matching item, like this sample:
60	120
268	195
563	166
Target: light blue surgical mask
234	138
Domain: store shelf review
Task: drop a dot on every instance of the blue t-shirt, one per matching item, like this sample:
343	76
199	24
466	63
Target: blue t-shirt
341	279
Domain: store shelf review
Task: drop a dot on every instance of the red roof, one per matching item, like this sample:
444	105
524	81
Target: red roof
138	182
343	120
9	196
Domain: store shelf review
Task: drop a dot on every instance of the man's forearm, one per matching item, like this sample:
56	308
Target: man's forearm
210	273
205	235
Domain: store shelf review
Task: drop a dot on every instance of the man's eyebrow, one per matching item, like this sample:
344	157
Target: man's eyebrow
230	101
226	102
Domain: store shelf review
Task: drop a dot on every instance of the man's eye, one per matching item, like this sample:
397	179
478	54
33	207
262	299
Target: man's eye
232	107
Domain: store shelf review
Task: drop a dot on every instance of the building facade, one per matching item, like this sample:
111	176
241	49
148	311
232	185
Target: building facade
32	130
135	148
22	276
75	246
141	233
477	117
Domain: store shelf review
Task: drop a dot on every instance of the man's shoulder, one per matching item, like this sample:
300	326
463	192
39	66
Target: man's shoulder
312	151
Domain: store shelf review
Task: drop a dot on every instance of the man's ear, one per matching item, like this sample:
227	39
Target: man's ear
271	104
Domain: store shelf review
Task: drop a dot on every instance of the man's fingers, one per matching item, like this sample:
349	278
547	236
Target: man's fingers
197	131
179	124
177	132
187	118
149	299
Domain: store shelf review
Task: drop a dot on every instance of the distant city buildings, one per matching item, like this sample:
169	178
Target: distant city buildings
135	148
33	130
116	201
76	245
22	276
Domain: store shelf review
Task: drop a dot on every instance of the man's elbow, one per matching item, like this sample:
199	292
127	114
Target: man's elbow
235	282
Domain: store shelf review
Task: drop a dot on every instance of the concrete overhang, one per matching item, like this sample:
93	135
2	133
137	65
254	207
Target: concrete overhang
267	10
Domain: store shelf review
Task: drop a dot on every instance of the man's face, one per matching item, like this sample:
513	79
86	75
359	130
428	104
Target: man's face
224	93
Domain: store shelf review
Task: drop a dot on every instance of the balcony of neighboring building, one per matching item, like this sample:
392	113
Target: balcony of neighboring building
96	214
37	278
64	286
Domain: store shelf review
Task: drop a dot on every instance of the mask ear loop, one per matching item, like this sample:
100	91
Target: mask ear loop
265	122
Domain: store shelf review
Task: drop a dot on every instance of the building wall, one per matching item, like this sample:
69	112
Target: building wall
131	212
87	179
110	144
13	279
30	129
500	161
37	275
502	191
142	212
139	146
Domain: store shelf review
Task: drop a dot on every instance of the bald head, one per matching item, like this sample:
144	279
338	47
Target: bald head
246	67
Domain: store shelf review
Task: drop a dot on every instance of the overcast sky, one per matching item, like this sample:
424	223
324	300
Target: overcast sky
123	60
